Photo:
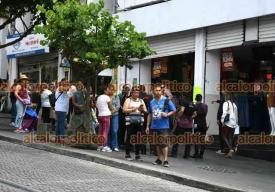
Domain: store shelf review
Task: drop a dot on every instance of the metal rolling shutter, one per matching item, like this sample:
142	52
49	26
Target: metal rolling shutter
267	28
226	35
172	44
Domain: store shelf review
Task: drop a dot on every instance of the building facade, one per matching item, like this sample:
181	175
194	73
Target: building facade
202	44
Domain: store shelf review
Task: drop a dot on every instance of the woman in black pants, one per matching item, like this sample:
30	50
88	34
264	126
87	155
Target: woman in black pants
45	103
134	107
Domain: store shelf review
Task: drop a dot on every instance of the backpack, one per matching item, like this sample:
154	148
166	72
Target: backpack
189	109
53	100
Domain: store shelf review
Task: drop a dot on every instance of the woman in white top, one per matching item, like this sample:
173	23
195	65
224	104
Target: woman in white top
134	107
229	124
45	103
61	107
105	109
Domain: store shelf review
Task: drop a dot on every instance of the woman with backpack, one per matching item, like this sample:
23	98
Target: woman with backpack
229	122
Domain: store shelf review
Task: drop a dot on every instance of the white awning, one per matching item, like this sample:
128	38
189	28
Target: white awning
106	72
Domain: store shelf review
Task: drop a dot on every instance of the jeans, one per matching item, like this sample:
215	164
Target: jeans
104	128
13	111
60	128
113	140
21	109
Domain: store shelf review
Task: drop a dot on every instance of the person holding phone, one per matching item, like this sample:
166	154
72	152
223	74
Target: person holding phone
134	108
61	108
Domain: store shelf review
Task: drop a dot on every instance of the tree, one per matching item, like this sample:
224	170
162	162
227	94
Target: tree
17	9
88	35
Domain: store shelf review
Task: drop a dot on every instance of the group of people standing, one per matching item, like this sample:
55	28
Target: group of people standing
117	118
154	114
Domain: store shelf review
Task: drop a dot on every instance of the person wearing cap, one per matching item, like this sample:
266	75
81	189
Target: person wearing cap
23	99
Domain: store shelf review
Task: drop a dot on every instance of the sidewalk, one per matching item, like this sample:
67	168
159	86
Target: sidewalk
214	173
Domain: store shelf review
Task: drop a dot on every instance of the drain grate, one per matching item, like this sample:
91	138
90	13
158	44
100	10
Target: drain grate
217	169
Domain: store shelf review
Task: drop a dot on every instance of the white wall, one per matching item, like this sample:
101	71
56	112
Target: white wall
181	15
145	74
129	3
133	73
3	58
20	26
212	78
144	77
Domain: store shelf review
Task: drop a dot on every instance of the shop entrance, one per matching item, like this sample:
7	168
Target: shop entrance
250	72
176	72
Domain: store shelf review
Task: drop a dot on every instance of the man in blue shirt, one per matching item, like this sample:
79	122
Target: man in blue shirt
160	109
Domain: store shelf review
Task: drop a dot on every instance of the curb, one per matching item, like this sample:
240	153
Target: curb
192	182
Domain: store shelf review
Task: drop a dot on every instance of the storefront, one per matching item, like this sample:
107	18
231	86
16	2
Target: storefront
172	64
176	73
240	58
39	68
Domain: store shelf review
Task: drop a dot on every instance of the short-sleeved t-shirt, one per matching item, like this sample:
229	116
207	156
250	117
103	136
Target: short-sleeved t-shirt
155	108
102	105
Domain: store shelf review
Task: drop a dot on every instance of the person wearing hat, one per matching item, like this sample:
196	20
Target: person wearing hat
23	99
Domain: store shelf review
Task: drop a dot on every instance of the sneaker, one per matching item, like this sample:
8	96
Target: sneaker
129	158
99	148
235	149
18	130
220	152
12	124
116	149
157	162
106	149
26	131
166	164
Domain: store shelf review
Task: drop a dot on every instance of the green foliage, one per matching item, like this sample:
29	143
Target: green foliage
92	35
12	10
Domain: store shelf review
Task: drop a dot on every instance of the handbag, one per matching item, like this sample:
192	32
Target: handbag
52	114
134	119
227	116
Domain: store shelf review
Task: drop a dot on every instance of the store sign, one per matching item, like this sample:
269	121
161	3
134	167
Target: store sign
160	67
29	45
156	69
227	59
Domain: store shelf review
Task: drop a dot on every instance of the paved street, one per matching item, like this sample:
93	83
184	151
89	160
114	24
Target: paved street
37	170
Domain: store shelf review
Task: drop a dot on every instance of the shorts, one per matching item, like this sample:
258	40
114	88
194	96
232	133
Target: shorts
162	137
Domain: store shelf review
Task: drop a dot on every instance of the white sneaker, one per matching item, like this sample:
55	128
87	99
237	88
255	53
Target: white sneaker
116	149
220	152
12	124
99	148
106	149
